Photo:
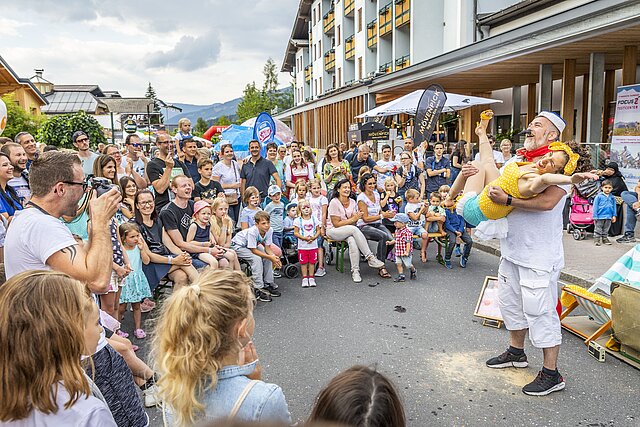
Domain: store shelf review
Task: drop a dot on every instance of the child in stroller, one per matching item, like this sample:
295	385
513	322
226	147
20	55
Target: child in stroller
290	244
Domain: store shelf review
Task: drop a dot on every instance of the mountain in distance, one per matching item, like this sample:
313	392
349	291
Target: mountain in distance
208	112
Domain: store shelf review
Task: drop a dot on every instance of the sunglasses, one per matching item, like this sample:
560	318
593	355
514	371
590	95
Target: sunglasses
82	139
84	184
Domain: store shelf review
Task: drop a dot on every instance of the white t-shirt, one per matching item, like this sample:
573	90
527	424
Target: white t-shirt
534	239
316	206
138	165
228	175
497	157
88	411
87	164
382	176
413	208
21	186
306	228
31	239
373	208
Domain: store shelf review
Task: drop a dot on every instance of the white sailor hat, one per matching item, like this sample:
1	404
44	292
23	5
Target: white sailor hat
557	121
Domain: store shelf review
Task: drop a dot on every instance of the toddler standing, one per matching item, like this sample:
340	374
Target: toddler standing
604	213
403	240
275	209
307	229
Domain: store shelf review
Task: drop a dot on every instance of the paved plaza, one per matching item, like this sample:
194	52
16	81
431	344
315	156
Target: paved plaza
434	352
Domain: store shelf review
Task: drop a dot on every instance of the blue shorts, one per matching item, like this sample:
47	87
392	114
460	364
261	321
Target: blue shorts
417	230
472	213
433	227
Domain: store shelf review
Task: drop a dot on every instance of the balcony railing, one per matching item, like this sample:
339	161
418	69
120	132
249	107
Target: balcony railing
403	12
402	62
308	71
384	22
372	34
349	7
349	47
385	68
330	60
329	21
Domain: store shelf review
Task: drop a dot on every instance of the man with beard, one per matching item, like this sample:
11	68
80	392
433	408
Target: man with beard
20	180
162	169
532	258
26	140
38	240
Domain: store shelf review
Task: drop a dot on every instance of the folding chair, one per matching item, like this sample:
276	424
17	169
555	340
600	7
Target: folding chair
597	307
341	247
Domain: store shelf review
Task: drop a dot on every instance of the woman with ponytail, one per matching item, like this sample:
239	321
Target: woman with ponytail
203	352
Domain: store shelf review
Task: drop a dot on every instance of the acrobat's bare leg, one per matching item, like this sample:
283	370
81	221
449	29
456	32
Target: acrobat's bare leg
484	148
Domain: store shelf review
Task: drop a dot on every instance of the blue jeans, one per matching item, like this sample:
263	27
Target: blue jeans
277	238
629	198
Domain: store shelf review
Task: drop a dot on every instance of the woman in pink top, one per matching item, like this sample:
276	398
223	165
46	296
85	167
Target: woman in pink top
298	170
343	215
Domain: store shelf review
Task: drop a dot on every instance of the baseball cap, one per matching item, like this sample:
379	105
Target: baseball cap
199	205
273	190
557	121
400	217
77	134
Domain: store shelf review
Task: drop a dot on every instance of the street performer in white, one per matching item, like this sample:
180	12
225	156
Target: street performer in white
532	257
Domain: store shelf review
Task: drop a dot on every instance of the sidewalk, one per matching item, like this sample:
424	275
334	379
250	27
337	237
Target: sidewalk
584	262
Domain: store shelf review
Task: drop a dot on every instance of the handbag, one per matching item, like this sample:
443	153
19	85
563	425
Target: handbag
232	199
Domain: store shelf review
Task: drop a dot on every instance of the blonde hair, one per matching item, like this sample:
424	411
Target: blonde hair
411	194
299	207
248	192
444	189
194	333
42	320
313	182
181	121
362	171
392	181
300	184
217	223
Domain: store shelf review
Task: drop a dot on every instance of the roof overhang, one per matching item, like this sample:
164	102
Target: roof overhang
10	81
299	32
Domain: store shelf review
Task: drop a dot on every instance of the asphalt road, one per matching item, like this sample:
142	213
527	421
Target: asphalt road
434	352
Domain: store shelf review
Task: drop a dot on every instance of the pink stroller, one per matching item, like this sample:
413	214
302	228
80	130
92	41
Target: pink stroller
580	216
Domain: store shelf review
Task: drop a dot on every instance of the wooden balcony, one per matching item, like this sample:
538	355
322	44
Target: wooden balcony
330	60
403	12
349	47
402	62
385	68
372	34
349	7
308	71
329	21
384	21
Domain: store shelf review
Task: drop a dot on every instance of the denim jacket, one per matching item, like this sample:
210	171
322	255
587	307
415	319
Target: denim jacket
265	402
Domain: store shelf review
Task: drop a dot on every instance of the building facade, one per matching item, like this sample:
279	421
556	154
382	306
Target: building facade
347	56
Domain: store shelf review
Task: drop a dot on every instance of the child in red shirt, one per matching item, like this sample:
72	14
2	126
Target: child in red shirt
403	240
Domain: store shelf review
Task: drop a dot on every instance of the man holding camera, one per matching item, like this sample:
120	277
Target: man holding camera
38	240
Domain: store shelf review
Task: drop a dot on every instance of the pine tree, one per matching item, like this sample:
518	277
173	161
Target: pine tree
151	94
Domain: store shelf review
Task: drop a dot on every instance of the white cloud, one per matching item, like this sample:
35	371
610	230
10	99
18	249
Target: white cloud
191	51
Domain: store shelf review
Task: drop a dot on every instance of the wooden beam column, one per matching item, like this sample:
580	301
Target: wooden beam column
609	96
531	102
629	64
584	108
568	97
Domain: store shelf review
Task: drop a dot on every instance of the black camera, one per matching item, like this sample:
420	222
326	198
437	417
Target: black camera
100	185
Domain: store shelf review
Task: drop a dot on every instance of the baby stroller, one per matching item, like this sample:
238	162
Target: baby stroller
290	257
580	216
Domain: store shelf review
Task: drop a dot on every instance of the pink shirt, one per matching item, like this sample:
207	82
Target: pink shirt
336	208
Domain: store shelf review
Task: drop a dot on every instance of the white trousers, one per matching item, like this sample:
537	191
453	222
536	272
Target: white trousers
528	300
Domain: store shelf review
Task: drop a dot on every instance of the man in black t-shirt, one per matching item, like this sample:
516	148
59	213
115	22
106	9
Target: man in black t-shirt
362	158
206	189
162	169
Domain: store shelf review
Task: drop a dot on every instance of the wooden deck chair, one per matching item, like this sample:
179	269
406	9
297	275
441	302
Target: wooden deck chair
596	306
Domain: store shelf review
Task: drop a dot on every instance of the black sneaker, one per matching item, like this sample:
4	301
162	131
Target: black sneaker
262	295
272	291
627	238
544	384
414	274
277	273
400	278
606	241
508	360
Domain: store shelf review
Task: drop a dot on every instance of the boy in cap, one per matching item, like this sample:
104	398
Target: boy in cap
275	209
403	240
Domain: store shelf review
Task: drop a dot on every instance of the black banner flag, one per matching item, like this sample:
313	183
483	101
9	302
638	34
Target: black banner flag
429	109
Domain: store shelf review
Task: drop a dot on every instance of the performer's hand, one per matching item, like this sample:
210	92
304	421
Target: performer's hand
469	170
497	195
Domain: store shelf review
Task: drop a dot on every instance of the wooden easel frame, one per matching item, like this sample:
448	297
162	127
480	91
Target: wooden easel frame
492	321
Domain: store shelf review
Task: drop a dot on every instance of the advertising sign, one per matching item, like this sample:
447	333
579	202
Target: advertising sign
625	141
427	113
264	130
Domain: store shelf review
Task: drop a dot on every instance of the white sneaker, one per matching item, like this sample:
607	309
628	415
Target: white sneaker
305	283
355	276
375	262
321	272
150	399
312	282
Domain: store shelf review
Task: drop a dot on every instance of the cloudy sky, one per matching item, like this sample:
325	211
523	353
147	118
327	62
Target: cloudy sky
193	51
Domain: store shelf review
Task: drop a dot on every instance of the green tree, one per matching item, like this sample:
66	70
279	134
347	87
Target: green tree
201	126
151	94
253	103
18	120
222	121
57	130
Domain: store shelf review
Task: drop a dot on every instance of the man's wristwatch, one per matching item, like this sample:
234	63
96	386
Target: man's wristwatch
509	200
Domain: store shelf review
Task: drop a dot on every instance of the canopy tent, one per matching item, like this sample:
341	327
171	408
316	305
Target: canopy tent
283	132
409	103
239	137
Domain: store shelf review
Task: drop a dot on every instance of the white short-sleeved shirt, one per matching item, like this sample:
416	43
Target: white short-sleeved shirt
32	238
413	208
228	175
373	208
306	228
250	238
380	177
497	157
316	206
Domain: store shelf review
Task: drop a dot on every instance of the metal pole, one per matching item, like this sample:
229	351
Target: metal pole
113	135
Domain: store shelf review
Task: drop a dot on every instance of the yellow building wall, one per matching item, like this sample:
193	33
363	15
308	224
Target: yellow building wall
28	100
